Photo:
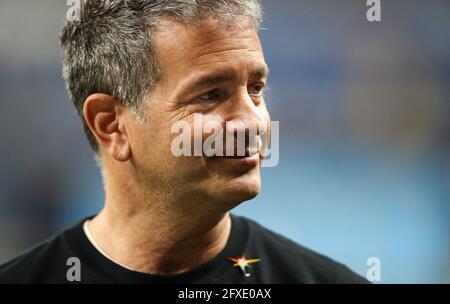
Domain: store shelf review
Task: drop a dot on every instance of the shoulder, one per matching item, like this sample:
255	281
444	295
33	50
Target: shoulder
39	264
300	264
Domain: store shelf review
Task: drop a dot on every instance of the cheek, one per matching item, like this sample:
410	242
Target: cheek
156	131
149	139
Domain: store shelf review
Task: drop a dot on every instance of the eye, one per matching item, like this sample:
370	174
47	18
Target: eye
210	96
256	89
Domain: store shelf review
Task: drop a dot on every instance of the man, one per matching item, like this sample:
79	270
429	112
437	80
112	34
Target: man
133	70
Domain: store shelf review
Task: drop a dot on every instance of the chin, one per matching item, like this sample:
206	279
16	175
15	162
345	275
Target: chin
231	192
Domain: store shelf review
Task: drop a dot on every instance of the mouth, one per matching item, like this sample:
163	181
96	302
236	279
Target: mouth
250	160
248	153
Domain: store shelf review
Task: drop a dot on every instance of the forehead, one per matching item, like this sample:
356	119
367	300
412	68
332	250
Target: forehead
212	43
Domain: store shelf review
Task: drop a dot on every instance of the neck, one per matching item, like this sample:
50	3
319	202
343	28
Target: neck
148	233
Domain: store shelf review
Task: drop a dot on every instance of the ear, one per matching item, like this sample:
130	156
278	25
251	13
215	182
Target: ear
104	116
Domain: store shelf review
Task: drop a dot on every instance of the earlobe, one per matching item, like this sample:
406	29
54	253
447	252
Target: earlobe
102	114
122	149
123	154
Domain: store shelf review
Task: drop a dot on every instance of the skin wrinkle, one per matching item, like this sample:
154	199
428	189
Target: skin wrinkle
188	84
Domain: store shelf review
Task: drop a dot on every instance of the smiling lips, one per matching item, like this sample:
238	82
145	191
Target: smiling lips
247	162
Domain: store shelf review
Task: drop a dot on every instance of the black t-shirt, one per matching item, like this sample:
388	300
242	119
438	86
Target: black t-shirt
272	257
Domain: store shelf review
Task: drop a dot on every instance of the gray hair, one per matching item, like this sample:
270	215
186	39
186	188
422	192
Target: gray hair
109	49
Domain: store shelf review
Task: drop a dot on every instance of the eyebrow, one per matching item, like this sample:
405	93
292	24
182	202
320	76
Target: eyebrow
259	72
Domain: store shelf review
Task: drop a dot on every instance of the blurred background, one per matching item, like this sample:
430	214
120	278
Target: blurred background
364	111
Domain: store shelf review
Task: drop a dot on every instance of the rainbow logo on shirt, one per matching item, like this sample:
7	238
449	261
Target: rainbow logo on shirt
243	263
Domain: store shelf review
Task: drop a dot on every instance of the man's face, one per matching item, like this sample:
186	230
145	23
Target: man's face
217	70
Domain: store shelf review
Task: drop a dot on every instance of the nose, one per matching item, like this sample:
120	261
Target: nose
245	123
246	113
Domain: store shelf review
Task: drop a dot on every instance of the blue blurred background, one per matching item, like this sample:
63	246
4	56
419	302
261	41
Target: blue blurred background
364	111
